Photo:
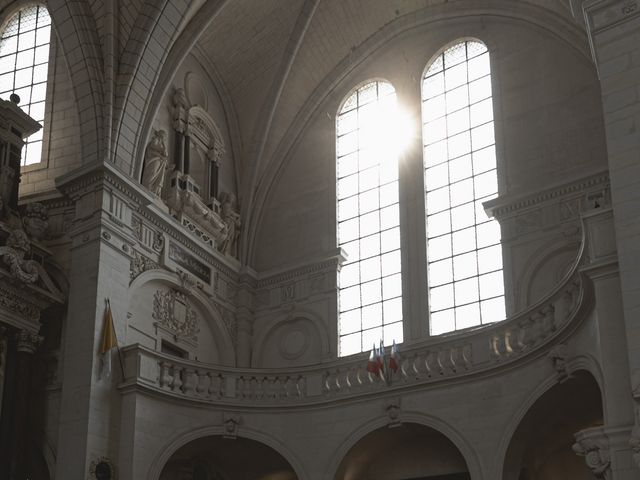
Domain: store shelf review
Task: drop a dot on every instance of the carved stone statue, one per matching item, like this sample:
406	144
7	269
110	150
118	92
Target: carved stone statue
13	255
231	218
155	162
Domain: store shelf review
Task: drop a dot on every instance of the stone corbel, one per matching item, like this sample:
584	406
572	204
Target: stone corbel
392	408
231	422
593	445
559	357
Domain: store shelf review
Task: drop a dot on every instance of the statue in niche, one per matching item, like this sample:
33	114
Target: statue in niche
231	218
155	162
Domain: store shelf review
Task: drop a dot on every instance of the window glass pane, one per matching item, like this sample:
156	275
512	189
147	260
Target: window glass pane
392	286
440	272
392	310
391	263
463	244
350	344
390	239
467	316
372	316
481	112
456	122
24	43
371	293
442	322
433	86
465	266
368	216
350	322
439	247
466	291
349	275
441	297
492	310
392	332
437	200
370	246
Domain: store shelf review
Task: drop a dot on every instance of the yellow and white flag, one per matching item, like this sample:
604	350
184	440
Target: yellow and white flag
108	344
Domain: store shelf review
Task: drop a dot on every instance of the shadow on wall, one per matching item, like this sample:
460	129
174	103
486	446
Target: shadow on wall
541	446
219	458
408	451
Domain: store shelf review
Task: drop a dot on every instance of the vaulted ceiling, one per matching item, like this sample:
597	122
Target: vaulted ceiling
271	55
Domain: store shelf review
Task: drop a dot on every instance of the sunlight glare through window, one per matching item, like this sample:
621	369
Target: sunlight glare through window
371	134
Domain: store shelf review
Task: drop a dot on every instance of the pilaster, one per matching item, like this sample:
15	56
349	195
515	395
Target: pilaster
613	27
101	254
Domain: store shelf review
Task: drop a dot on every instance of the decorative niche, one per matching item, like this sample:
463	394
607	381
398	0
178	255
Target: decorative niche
191	190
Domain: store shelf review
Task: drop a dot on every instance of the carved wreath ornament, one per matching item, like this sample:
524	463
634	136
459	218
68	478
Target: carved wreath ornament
172	310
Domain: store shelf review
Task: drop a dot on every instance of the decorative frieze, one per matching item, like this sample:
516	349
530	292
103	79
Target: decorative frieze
189	262
140	264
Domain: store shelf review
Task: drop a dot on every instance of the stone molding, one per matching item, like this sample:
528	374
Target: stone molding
593	445
601	15
508	206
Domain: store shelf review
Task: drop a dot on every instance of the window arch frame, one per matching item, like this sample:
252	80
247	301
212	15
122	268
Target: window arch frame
497	167
5	17
353	90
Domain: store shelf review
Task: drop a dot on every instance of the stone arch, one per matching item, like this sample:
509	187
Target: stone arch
585	369
170	448
440	426
223	339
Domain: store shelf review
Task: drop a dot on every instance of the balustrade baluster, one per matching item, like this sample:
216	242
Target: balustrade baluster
177	378
165	376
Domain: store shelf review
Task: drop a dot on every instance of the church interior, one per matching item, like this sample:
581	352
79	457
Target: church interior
319	239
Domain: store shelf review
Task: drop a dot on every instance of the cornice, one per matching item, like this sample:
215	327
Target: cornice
509	205
330	263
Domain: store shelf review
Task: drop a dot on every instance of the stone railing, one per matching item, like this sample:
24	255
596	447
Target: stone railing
445	358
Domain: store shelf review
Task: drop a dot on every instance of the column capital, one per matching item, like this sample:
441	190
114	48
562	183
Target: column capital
593	445
28	342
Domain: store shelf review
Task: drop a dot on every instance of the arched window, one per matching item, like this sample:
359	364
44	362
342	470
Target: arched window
370	300
24	58
464	254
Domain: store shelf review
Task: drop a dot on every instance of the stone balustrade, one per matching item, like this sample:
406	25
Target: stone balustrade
472	352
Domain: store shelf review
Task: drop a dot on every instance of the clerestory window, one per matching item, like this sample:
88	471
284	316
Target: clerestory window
464	254
24	58
370	284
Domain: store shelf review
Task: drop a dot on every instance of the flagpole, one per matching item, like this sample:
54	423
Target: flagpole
117	343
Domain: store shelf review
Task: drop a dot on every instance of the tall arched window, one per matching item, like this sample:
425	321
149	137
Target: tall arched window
464	255
370	300
24	58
